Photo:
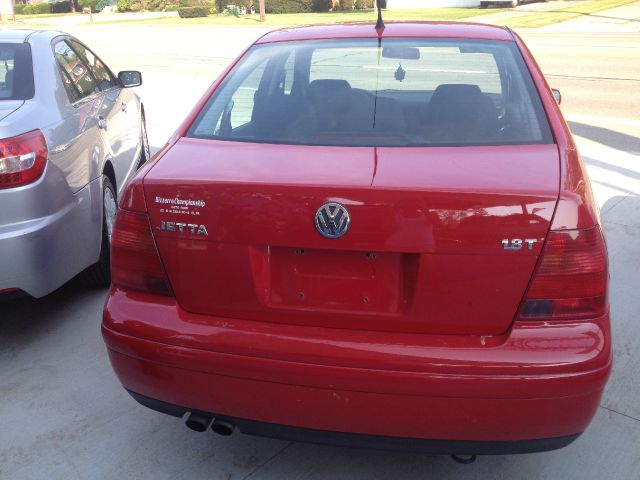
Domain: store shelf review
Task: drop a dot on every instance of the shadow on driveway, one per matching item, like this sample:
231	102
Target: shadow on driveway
24	320
605	136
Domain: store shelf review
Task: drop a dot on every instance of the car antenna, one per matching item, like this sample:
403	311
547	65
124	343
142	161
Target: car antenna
379	29
379	23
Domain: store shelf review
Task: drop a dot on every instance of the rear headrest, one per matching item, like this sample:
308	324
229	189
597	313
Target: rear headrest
327	87
449	94
454	102
460	113
461	89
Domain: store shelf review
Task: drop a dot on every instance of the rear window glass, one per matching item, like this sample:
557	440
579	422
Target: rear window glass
16	71
401	92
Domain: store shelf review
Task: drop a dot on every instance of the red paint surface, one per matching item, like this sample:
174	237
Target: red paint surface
537	381
433	352
441	213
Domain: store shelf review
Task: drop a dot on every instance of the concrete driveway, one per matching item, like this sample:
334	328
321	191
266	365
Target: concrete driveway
63	414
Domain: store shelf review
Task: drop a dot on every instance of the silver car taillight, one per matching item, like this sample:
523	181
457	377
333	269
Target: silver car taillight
22	159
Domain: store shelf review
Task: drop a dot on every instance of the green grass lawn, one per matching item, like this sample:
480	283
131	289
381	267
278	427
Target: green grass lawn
328	17
518	20
20	18
542	19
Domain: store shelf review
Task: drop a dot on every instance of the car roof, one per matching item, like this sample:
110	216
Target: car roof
14	35
19	35
392	29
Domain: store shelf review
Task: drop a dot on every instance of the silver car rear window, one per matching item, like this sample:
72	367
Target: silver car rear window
16	72
361	92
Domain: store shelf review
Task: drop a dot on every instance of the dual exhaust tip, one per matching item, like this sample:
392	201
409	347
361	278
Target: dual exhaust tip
200	422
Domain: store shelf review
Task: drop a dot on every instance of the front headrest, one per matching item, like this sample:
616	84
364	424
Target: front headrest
451	90
454	102
327	86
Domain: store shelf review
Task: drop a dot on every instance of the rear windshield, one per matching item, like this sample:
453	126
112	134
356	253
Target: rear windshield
399	92
16	71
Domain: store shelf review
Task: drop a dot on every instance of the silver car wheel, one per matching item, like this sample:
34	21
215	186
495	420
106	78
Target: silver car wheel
110	208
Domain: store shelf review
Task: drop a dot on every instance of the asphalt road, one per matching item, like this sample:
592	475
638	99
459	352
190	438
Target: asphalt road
597	73
63	414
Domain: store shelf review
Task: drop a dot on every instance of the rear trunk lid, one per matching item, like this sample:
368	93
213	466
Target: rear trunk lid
235	227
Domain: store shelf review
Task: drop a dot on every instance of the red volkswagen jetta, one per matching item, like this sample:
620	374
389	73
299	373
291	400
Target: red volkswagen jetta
368	237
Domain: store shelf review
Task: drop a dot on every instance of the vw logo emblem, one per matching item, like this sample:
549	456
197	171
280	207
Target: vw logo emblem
332	220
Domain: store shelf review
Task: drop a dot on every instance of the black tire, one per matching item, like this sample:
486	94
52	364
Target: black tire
145	151
99	274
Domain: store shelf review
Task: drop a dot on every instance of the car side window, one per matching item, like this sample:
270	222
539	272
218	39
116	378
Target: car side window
100	71
243	99
239	106
77	79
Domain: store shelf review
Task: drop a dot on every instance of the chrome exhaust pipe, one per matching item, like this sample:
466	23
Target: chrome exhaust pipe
222	427
198	421
464	459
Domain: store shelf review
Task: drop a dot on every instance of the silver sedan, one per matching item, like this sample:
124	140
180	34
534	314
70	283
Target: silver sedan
71	135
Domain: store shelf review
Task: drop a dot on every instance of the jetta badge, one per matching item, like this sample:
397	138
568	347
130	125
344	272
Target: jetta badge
194	228
332	220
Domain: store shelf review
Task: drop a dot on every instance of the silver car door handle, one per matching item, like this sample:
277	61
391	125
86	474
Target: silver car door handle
102	123
123	106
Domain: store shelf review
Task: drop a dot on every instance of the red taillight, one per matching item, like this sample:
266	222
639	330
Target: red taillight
22	159
571	279
135	263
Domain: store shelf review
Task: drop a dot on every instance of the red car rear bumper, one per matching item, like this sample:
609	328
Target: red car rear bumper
535	382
